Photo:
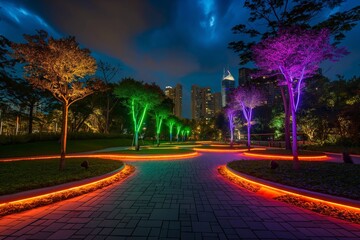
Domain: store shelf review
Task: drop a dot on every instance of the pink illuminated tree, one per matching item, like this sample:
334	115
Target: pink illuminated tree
230	113
246	99
295	54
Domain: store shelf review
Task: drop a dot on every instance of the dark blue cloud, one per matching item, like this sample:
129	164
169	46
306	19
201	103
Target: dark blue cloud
162	41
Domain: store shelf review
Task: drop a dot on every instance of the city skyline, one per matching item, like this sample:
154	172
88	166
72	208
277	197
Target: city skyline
160	45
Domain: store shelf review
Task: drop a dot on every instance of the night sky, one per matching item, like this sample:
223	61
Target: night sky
162	41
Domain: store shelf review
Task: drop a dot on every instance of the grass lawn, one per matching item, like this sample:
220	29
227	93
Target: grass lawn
26	175
285	152
335	149
331	178
155	151
53	147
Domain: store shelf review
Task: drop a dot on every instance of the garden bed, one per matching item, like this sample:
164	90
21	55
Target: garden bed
53	147
284	152
336	179
147	151
21	176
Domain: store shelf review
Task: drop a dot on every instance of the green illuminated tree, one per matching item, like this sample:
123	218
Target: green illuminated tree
187	131
170	122
139	98
59	66
179	126
161	112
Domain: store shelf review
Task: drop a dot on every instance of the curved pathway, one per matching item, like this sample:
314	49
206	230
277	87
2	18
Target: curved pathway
174	199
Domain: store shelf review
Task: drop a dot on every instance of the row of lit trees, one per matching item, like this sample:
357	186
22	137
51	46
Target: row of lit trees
141	99
283	49
293	55
67	71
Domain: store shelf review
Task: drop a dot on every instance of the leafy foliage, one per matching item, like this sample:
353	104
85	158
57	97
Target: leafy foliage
276	14
139	99
60	67
57	65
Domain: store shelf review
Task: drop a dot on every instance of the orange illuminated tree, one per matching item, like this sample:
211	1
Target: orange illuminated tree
59	66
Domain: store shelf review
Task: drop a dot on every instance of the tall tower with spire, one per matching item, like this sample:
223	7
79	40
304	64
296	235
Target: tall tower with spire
227	86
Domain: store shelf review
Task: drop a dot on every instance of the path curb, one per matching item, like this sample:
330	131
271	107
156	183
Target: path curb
345	202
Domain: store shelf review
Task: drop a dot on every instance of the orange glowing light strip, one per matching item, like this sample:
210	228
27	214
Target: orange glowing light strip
220	145
48	198
164	147
29	158
203	142
272	189
318	157
219	150
140	157
258	148
113	157
189	145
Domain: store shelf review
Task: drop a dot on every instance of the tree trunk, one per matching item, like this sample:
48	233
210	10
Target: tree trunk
170	137
286	119
137	147
1	122
31	112
79	125
296	164
107	114
248	135
158	139
231	137
287	130
64	135
17	125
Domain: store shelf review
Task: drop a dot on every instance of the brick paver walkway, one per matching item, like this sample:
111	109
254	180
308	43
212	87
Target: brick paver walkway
174	199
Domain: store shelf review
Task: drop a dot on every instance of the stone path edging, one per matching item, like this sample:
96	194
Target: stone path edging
61	187
39	197
319	196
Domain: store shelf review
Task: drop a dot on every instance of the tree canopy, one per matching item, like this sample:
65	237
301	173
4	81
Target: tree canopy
267	17
59	66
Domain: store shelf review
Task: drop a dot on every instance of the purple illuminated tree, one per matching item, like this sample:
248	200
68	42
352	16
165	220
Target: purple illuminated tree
246	99
230	113
295	54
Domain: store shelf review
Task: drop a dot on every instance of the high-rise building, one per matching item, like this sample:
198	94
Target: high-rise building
217	102
175	94
202	103
196	102
178	101
245	76
227	86
267	84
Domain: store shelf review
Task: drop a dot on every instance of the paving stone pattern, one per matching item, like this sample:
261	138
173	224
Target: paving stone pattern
180	199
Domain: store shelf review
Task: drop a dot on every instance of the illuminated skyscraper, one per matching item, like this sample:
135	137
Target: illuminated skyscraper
203	103
175	94
227	86
217	102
